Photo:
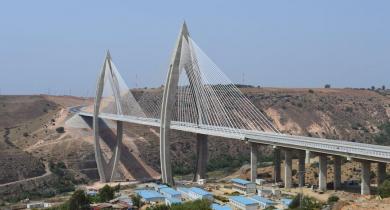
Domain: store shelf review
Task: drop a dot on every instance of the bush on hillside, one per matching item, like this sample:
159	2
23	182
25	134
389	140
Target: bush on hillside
308	203
79	201
106	193
333	199
60	130
384	189
382	138
136	199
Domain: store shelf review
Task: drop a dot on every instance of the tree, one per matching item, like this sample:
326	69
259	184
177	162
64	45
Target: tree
79	201
384	189
136	199
193	205
106	193
159	207
327	86
383	87
333	199
117	188
60	130
306	204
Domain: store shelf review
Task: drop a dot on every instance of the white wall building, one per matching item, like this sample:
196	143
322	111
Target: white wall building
243	186
38	205
195	193
243	203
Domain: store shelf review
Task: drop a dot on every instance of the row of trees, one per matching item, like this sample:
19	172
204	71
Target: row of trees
372	87
189	205
81	201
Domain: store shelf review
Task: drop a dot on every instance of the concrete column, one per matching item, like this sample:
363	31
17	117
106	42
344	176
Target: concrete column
201	155
365	183
301	167
337	172
307	157
287	169
322	172
277	173
253	161
381	173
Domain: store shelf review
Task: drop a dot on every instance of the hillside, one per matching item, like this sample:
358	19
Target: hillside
28	126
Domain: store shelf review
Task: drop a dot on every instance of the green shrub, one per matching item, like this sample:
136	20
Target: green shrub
106	193
221	198
60	130
136	199
333	199
79	201
308	203
382	138
193	205
384	189
159	207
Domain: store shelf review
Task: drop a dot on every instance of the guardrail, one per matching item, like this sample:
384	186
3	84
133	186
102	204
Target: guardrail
328	146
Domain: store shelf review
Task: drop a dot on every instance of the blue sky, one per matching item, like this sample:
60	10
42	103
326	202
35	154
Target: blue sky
61	45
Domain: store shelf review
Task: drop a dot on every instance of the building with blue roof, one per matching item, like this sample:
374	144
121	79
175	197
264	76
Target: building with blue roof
243	186
286	202
184	192
241	202
263	202
195	193
172	201
157	187
215	206
170	193
150	196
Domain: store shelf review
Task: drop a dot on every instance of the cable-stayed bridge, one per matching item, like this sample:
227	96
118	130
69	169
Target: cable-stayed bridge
198	97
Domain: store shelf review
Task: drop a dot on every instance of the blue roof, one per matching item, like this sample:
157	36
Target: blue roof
173	200
240	181
286	201
169	191
262	200
148	194
160	186
215	206
183	189
243	200
199	191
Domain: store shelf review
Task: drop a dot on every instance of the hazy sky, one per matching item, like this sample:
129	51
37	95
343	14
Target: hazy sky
61	45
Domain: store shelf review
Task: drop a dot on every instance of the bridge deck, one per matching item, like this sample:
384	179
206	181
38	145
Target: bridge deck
321	145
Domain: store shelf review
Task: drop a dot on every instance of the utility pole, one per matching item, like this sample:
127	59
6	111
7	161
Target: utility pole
301	173
136	80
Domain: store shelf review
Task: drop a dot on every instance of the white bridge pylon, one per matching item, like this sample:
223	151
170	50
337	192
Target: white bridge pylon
196	93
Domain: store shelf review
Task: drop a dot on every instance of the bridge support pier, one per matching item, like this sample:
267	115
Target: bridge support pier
337	172
381	173
277	173
254	150
307	157
168	102
287	169
301	167
106	170
202	155
323	168
365	183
